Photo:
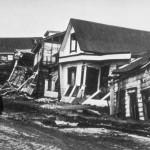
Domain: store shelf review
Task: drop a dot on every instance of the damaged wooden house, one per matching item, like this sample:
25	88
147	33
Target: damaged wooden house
46	64
132	89
17	62
88	55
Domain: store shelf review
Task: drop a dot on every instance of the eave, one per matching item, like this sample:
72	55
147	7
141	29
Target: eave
85	57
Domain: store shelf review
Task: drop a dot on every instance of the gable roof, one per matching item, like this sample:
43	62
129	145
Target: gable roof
10	44
134	66
101	38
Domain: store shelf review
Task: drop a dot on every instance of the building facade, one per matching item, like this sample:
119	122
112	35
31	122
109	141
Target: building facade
46	65
132	89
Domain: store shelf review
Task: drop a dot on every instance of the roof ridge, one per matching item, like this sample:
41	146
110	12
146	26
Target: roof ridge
109	25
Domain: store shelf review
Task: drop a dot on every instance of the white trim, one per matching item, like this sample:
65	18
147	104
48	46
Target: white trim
95	57
106	96
6	53
98	91
74	87
145	88
66	90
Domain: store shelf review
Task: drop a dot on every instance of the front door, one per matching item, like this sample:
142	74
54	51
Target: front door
134	106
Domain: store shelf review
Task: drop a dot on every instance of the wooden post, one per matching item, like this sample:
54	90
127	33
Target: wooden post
99	76
84	80
112	109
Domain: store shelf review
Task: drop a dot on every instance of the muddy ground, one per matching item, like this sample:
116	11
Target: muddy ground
52	114
66	127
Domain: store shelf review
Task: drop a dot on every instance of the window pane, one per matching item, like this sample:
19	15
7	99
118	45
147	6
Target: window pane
10	57
73	42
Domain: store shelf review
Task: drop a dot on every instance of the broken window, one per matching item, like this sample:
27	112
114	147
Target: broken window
73	43
104	76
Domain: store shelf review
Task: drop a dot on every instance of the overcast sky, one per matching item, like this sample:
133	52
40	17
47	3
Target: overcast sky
30	18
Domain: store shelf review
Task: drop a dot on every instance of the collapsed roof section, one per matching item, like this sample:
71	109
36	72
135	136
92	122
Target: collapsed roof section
135	65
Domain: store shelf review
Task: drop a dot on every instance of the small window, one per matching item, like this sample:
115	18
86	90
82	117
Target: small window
73	43
4	58
49	85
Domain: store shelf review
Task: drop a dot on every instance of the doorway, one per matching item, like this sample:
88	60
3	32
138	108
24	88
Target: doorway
146	103
121	103
134	105
91	80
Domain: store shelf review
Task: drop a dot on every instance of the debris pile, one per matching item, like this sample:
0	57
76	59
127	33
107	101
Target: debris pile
46	100
22	78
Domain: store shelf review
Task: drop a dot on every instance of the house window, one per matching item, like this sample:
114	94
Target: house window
6	58
71	75
49	85
73	43
10	57
71	79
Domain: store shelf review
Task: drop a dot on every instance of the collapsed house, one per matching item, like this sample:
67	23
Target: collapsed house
7	48
46	64
21	73
132	89
21	63
88	55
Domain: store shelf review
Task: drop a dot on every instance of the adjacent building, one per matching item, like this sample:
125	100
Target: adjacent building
46	64
132	89
88	55
8	47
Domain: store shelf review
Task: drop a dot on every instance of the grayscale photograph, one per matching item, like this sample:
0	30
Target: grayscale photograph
74	75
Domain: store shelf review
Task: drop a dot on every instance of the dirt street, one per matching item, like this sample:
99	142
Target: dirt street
16	135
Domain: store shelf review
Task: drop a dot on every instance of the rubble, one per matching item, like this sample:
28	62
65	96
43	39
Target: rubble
45	100
21	79
63	115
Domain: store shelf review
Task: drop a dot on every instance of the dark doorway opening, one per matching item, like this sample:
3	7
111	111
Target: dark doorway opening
91	81
104	76
121	103
146	103
134	106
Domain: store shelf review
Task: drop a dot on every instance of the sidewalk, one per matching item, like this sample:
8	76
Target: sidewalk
66	115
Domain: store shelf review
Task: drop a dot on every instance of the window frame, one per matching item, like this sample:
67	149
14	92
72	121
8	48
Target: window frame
70	71
73	38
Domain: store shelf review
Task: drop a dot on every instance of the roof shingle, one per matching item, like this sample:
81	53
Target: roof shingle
101	38
10	44
134	66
